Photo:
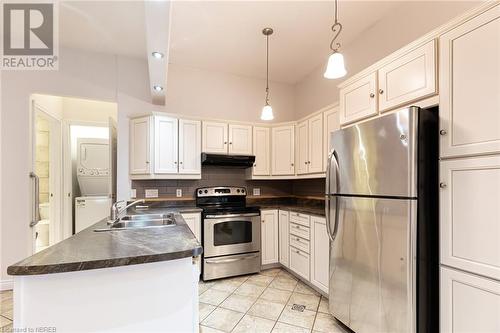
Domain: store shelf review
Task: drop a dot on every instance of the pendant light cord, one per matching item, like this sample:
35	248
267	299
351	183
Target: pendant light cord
336	28
267	69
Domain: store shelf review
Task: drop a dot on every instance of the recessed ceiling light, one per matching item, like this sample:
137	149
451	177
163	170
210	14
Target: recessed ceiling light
157	88
157	55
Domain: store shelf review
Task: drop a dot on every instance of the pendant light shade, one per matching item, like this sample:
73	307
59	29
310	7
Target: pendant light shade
335	68
267	110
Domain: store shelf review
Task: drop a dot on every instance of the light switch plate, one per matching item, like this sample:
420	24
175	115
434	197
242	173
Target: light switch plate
151	193
256	191
178	193
133	193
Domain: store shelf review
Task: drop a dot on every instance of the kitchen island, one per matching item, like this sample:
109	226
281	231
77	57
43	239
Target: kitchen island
141	279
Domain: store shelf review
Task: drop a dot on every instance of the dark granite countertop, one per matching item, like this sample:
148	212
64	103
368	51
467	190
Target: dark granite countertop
296	208
310	206
91	250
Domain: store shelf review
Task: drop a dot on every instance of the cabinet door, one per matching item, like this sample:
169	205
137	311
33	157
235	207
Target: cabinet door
408	78
315	141
469	87
301	148
214	137
331	123
189	146
359	100
283	150
284	232
140	146
269	237
166	145
320	249
470	214
262	151
468	303
240	139
299	262
193	220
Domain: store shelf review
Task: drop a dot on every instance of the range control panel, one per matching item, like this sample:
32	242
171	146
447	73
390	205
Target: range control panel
220	191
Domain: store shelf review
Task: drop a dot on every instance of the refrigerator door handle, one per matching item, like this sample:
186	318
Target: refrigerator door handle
331	156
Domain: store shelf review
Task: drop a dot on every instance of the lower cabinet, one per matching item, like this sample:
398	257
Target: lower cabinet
284	232
469	303
299	262
320	253
269	236
193	220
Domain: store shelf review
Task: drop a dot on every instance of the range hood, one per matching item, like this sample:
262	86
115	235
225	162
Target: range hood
238	161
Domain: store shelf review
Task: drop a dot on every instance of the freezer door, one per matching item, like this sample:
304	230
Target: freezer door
377	157
372	284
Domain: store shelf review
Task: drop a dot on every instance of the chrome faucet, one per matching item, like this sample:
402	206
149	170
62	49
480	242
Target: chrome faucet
115	212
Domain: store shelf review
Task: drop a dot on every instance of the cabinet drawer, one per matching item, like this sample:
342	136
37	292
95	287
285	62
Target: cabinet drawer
299	230
299	262
300	243
468	303
299	218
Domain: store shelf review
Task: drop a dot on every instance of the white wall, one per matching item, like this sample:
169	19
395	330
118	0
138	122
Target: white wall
211	94
402	26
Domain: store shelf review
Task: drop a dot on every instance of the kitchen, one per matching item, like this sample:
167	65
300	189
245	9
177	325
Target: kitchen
196	144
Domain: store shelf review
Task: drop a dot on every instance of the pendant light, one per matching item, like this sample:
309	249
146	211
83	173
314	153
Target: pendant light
267	110
335	68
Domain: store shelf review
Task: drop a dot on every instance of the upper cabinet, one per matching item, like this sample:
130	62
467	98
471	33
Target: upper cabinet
223	138
309	145
301	148
469	84
331	123
262	151
189	146
283	150
140	145
359	99
166	145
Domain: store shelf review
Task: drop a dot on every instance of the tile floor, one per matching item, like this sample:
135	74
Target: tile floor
271	301
5	311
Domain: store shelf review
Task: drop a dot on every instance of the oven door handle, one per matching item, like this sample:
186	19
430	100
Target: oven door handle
231	215
225	261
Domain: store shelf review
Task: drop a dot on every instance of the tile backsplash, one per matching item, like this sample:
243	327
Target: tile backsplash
219	176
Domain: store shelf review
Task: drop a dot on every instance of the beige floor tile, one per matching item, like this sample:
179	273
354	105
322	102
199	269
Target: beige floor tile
285	328
284	273
205	310
239	279
283	283
202	288
303	319
222	319
271	272
276	295
6	305
251	324
249	289
323	305
326	323
305	289
6	294
206	329
238	303
4	321
260	280
266	309
310	301
9	314
226	285
214	297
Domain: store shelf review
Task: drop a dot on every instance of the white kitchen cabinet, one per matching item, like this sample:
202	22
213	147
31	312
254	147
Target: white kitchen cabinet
269	238
468	303
301	148
469	87
165	145
359	99
408	78
140	145
284	234
189	146
470	214
320	251
262	151
215	137
299	262
331	123
283	150
240	139
193	220
315	141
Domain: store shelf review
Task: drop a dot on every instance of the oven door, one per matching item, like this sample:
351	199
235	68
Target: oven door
231	234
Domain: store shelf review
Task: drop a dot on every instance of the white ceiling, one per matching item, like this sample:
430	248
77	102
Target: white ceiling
226	35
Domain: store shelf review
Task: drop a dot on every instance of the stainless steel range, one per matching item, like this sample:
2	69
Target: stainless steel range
231	232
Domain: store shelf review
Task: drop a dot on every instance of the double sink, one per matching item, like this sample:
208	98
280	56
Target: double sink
141	221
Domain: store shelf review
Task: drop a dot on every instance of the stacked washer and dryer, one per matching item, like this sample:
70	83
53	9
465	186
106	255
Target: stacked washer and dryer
94	178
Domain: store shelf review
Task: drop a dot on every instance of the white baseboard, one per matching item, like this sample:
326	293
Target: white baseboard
6	285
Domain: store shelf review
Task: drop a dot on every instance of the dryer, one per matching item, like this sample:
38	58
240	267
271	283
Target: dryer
93	168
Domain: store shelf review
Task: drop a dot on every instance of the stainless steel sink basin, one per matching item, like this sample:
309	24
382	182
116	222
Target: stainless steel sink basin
141	221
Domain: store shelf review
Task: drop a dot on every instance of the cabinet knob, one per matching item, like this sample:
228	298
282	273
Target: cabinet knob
381	91
263	221
442	185
443	132
147	162
225	142
255	164
305	162
180	162
372	95
175	162
291	164
230	143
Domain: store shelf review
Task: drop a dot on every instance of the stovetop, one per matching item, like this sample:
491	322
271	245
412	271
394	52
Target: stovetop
229	210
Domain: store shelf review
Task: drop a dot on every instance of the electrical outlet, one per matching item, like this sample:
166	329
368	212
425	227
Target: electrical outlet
256	191
133	193
151	193
178	193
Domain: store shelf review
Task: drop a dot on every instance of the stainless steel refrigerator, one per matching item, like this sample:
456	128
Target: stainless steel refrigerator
382	220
